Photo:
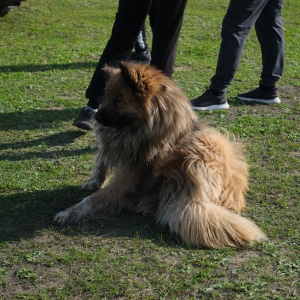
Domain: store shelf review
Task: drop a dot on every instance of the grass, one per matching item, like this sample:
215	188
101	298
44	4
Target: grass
48	52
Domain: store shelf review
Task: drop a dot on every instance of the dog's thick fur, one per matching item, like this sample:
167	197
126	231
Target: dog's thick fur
189	176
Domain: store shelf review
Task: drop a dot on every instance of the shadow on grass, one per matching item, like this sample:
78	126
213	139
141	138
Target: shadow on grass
58	139
35	119
25	215
46	155
45	68
236	102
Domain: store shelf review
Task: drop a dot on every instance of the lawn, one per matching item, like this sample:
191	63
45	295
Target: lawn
48	52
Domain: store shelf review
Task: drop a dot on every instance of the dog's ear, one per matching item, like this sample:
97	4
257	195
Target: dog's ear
108	71
131	75
143	79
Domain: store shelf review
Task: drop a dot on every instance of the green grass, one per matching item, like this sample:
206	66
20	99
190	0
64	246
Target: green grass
48	52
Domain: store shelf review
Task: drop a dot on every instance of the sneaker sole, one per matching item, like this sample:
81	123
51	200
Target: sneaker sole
212	107
83	125
271	101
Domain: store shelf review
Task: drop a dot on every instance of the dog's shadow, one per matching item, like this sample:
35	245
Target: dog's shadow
25	215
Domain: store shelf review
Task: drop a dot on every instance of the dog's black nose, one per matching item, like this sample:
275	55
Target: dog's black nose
103	117
100	116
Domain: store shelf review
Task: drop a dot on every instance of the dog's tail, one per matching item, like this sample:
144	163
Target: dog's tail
207	224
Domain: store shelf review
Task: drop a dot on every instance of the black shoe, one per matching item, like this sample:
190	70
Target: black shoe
7	6
85	120
140	57
208	101
258	95
4	10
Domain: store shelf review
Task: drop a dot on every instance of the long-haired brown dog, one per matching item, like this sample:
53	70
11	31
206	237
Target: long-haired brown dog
189	176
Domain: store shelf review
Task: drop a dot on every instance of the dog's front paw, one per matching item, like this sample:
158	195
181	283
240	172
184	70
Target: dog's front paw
62	217
91	185
68	216
75	213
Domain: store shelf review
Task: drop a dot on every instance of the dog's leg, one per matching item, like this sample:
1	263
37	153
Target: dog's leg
99	175
109	200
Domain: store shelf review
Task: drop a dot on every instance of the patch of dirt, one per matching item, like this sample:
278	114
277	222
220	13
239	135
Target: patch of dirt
289	89
242	257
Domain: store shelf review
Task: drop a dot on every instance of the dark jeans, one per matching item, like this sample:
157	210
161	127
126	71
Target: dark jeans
165	17
241	16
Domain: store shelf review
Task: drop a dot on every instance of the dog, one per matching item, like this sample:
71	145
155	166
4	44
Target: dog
189	176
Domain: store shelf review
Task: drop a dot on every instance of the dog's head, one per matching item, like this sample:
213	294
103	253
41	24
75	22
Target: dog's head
129	92
140	97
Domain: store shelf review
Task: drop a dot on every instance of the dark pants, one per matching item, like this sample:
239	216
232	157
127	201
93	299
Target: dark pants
241	16
165	17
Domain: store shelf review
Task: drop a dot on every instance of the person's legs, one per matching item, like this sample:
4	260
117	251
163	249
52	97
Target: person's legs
269	31
166	19
129	20
237	23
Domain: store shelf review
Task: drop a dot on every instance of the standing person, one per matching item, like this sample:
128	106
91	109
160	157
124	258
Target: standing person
166	17
241	16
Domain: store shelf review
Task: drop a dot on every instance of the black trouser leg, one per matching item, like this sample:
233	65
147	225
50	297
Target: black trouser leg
128	23
237	23
269	31
166	17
